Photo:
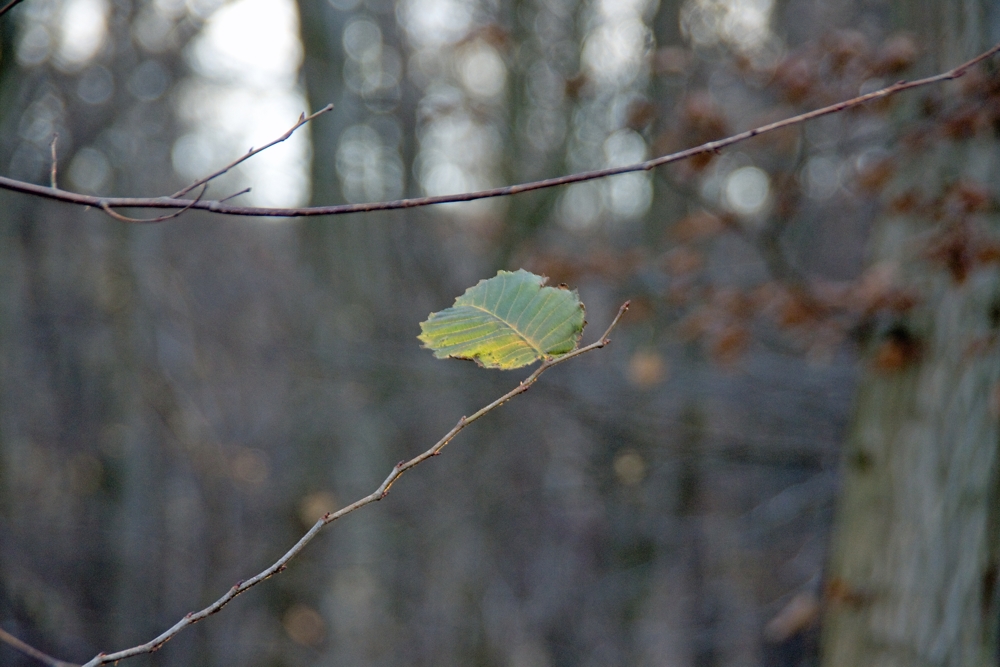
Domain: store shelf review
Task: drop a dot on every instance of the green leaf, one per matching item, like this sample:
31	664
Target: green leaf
506	322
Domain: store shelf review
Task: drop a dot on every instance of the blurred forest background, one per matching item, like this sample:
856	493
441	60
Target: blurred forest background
814	318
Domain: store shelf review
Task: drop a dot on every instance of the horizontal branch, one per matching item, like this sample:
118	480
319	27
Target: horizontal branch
376	495
107	203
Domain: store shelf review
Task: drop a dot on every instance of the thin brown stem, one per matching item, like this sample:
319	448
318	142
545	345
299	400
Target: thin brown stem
341	209
376	495
33	652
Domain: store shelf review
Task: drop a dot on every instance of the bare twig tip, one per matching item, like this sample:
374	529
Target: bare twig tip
235	194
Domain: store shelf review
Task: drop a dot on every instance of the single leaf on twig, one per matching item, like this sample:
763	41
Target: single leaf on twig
506	322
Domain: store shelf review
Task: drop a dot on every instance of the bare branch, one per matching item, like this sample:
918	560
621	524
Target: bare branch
33	652
341	209
376	495
303	119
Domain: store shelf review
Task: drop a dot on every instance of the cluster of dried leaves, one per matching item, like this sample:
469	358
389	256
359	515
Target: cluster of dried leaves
809	311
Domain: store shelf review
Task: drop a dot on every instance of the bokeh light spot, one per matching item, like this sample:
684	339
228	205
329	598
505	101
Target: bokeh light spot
83	29
483	71
747	190
89	171
821	176
629	467
304	625
647	368
250	466
315	505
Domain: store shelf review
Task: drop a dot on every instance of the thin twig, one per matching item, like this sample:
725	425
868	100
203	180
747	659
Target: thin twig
341	209
235	195
376	495
303	119
29	650
9	6
52	171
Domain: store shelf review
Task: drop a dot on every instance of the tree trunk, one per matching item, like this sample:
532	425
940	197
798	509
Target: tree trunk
914	563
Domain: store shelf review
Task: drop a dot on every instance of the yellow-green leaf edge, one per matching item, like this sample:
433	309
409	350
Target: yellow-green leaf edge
507	322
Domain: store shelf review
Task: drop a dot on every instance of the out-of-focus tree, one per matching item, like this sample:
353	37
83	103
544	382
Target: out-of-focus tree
916	548
123	429
70	358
